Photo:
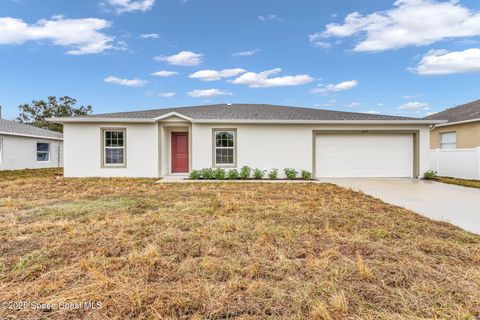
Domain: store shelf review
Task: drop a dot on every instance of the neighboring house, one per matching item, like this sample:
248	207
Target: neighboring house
462	129
26	147
155	143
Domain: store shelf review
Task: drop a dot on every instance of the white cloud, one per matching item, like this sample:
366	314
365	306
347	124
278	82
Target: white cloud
353	104
245	53
207	93
264	80
409	22
122	6
150	35
371	112
415	106
318	40
212	75
184	58
166	94
164	73
440	62
81	36
270	17
342	86
412	96
125	82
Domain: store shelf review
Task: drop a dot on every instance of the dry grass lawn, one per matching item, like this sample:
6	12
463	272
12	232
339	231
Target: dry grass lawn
460	182
226	251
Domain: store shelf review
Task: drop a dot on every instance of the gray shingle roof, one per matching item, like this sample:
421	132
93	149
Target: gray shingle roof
469	111
250	112
13	127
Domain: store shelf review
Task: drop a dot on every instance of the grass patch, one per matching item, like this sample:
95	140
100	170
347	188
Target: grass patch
227	250
459	182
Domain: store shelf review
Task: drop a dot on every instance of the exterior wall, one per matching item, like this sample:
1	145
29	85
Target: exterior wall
21	153
468	135
83	147
268	146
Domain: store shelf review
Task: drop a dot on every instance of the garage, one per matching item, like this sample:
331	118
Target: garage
371	154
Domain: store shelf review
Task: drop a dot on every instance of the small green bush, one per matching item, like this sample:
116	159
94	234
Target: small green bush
273	175
306	175
245	172
219	174
259	174
290	173
430	174
207	173
195	175
232	174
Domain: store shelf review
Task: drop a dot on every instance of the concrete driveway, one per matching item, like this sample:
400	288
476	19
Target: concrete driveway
444	202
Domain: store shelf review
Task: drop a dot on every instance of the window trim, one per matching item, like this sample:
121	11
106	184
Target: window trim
1	150
49	152
440	143
103	148
214	158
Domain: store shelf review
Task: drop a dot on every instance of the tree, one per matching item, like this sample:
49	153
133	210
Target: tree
36	112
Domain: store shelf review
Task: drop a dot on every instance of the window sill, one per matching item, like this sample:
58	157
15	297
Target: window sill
110	166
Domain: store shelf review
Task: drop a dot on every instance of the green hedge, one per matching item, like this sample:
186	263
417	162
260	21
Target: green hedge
247	173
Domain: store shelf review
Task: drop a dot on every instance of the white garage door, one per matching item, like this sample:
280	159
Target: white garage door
364	155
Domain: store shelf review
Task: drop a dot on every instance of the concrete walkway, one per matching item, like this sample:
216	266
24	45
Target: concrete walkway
455	204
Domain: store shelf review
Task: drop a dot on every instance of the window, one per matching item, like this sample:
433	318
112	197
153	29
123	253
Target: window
225	147
43	152
448	140
114	147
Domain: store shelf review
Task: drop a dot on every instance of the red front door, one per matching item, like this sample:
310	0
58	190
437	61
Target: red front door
179	152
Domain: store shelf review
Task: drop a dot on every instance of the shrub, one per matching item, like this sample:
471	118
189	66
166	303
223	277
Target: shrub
306	175
430	174
195	175
245	172
232	174
207	173
273	175
219	174
290	173
259	174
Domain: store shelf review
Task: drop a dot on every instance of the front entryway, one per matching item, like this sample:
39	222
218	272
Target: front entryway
179	152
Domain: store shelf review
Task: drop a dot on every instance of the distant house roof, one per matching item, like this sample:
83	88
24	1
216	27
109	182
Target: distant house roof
464	112
20	129
253	112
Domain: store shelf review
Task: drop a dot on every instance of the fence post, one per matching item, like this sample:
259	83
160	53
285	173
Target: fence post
437	160
478	162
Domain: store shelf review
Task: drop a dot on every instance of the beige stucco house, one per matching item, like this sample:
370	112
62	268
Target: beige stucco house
462	129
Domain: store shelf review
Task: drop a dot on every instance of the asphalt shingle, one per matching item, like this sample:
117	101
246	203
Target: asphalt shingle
250	112
12	127
464	112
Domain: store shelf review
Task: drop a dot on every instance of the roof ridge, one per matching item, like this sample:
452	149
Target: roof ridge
179	110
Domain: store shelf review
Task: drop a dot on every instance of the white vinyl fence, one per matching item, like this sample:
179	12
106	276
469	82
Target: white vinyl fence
458	163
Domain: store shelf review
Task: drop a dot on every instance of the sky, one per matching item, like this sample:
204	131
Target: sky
404	57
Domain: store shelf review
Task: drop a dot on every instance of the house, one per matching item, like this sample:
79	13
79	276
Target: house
462	129
26	147
155	143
